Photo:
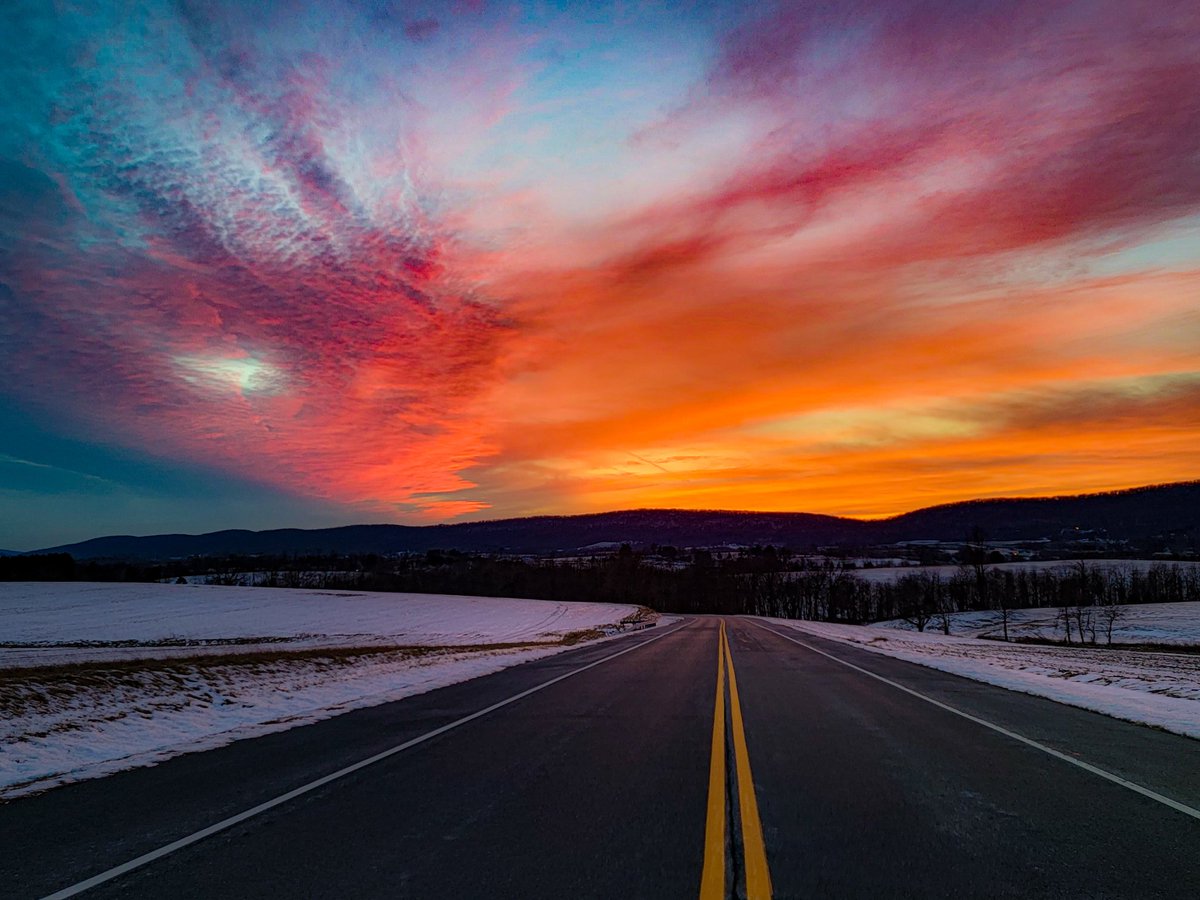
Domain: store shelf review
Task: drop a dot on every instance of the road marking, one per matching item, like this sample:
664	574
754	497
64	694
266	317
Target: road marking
1087	767
146	858
754	851
712	878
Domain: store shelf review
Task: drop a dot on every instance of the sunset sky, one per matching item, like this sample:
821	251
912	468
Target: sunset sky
288	264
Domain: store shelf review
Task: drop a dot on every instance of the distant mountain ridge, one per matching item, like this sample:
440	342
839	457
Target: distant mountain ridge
1133	514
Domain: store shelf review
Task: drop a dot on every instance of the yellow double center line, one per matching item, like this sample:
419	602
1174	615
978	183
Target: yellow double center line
754	853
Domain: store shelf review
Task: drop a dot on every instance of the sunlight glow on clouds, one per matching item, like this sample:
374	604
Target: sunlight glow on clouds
245	376
460	259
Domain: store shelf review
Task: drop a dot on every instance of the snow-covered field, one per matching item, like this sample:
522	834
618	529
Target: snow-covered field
1146	623
1161	689
35	613
95	678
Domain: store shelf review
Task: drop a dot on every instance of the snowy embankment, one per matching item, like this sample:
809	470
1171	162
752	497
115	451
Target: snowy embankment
1160	689
95	678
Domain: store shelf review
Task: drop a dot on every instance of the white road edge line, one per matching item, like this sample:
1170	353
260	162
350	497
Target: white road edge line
1087	767
146	858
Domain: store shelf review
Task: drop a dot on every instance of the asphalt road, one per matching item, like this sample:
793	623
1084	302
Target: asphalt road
633	777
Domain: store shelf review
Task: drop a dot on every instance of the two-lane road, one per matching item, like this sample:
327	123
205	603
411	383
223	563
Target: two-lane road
637	768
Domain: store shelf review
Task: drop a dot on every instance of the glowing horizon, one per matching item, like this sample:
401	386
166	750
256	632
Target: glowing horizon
452	261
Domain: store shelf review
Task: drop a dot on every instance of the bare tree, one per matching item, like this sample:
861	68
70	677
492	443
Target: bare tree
1111	613
1064	618
917	600
1005	615
918	616
1084	621
1083	602
942	601
975	556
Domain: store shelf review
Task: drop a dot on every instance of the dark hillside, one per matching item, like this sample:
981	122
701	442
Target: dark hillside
1132	515
1126	515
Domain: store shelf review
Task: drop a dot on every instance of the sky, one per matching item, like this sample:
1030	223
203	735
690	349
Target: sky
299	265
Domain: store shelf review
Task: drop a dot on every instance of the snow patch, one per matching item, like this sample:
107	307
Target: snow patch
96	678
1140	623
1160	689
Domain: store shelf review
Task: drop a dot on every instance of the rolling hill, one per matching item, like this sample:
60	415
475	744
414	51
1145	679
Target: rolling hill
1134	515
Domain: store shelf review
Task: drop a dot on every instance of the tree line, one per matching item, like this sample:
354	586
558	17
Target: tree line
1089	600
756	581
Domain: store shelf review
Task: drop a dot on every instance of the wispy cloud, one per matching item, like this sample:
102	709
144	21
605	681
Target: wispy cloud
5	459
